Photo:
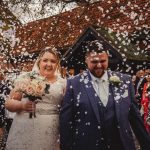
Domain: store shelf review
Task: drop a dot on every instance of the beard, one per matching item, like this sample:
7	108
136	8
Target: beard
98	72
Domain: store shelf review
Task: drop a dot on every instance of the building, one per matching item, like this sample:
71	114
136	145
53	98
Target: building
65	31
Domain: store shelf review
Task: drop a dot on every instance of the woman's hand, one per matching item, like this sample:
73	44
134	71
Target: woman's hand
28	106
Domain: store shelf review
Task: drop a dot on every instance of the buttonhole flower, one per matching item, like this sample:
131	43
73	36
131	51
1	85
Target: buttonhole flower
115	80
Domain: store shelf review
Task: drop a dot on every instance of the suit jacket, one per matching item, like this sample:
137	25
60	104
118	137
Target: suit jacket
80	123
4	91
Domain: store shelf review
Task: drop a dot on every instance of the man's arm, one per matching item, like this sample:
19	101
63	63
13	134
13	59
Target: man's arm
137	123
66	119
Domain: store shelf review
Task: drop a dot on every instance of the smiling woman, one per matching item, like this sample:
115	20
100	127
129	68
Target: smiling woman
43	130
48	64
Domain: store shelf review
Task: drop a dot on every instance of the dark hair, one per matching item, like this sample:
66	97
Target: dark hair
95	46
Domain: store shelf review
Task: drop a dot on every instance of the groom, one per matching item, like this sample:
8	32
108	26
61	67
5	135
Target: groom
98	109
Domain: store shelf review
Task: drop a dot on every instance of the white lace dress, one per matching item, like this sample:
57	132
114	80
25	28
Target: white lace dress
42	132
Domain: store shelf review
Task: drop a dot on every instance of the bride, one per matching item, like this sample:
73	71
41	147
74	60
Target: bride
41	132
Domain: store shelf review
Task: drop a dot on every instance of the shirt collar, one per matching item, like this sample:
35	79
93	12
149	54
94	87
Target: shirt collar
103	78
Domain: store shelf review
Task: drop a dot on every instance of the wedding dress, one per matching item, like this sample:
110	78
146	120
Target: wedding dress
41	132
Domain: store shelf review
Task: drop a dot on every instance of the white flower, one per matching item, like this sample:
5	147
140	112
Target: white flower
115	80
30	90
31	84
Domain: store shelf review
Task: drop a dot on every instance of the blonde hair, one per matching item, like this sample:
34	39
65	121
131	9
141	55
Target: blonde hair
52	51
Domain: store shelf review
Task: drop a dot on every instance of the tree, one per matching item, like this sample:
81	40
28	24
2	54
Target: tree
8	22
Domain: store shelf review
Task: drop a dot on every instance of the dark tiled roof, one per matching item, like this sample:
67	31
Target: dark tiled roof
63	30
122	45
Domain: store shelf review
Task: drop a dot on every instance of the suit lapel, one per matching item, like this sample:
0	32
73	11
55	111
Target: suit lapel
116	94
92	95
115	91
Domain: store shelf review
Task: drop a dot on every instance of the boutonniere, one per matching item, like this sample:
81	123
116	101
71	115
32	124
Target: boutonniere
115	80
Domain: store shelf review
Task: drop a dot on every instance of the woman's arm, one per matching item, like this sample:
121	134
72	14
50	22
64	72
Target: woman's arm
14	103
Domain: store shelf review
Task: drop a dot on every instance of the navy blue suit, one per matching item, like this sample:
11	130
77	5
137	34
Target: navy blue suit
84	120
4	91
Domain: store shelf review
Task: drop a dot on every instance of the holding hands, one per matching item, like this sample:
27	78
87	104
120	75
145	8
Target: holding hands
14	103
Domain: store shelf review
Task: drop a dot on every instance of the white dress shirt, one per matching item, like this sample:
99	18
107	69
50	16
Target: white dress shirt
101	86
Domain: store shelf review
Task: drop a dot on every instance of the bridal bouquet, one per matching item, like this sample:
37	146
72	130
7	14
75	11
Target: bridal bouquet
115	80
33	86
